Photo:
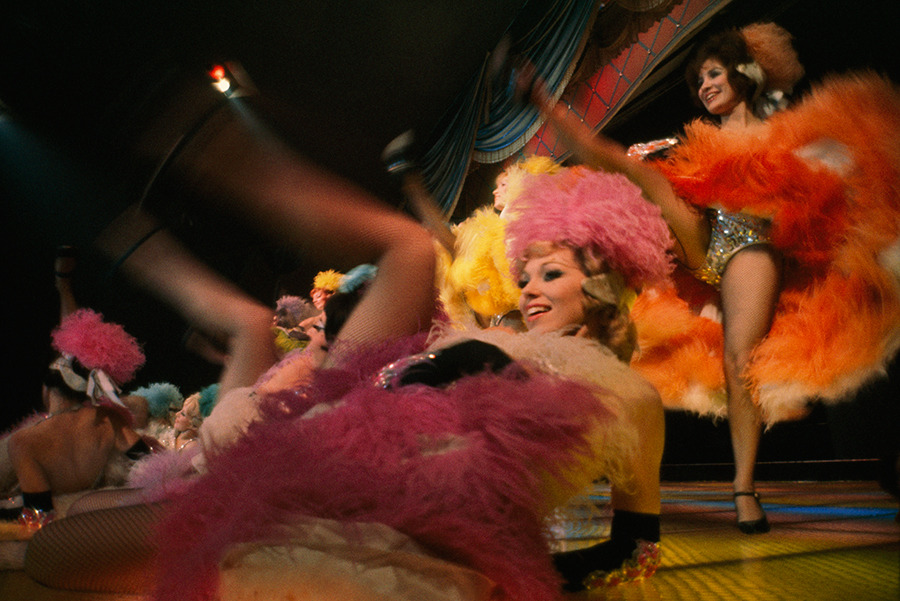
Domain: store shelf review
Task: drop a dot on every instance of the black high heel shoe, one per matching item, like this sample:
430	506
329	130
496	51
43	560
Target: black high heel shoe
760	526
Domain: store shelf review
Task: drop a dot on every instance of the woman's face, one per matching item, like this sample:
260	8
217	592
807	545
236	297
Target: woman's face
551	297
714	90
500	191
190	410
319	297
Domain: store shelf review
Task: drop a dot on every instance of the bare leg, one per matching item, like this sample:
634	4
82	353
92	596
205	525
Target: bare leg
325	217
750	288
205	299
643	495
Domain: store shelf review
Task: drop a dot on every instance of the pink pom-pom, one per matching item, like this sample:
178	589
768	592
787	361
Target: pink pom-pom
97	344
601	212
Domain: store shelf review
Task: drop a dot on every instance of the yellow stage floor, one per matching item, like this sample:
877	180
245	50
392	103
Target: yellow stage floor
830	541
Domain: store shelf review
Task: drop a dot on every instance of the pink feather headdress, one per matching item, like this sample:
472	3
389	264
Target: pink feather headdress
104	349
600	212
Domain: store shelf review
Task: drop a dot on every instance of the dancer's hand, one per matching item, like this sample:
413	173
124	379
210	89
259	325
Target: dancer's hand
595	150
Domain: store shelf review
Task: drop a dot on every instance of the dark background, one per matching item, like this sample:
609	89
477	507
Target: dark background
831	36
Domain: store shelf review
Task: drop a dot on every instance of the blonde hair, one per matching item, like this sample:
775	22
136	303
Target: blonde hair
196	417
515	175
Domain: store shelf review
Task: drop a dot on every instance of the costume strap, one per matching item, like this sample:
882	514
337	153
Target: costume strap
63	365
97	386
100	386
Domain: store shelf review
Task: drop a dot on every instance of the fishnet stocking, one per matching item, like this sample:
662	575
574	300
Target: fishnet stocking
106	499
110	550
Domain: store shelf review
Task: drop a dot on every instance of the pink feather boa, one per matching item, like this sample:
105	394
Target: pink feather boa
464	471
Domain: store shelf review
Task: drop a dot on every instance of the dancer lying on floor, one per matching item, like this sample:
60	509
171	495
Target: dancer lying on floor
381	459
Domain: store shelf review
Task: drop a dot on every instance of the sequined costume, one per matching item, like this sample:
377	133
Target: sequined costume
826	175
729	233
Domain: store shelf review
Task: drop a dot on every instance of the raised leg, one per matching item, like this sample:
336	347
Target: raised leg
206	300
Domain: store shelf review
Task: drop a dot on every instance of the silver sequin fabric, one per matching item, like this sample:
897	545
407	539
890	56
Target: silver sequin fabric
730	233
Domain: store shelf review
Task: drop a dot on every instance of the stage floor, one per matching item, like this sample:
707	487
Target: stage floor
830	541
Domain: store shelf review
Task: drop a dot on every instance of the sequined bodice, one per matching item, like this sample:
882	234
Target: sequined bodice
730	232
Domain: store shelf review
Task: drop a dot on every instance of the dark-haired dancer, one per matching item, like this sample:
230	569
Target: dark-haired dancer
793	220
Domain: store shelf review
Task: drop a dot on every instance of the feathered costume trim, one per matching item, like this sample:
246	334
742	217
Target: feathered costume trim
97	344
361	275
580	360
679	352
770	46
827	173
601	212
208	397
328	280
161	474
295	309
469	472
514	176
162	397
478	277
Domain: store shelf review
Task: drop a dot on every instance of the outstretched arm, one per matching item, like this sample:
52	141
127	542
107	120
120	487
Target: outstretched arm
689	227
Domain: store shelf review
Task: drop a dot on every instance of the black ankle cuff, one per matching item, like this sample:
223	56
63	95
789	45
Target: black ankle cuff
38	500
10	514
632	526
627	529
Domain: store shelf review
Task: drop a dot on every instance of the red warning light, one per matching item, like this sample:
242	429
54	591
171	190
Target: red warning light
217	72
